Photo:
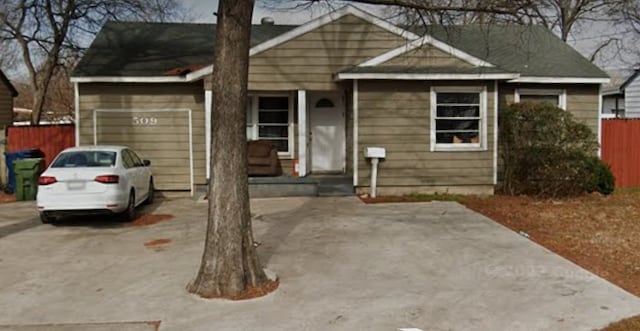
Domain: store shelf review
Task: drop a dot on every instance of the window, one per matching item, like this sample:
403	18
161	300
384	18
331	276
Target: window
458	118
555	97
136	159
85	159
269	118
128	160
324	103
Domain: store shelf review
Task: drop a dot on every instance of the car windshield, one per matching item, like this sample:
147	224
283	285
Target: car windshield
83	159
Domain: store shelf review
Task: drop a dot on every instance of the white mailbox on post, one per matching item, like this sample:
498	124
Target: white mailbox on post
375	154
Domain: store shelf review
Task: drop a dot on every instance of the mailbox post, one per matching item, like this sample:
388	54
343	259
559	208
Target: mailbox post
375	154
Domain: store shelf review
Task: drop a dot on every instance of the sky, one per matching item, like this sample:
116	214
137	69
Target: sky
206	8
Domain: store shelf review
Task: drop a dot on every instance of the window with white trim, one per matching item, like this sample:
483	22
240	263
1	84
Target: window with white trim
269	117
557	98
458	118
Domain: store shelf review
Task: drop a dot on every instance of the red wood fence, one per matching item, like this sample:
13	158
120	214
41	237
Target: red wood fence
621	150
50	139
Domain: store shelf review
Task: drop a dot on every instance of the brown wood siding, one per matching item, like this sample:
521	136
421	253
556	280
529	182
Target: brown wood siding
153	97
166	143
582	102
309	61
6	106
427	56
396	115
582	99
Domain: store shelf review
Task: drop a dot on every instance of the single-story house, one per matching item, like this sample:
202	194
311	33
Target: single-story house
324	90
623	100
7	93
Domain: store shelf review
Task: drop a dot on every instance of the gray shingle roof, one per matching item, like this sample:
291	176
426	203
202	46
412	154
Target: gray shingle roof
7	83
151	49
530	50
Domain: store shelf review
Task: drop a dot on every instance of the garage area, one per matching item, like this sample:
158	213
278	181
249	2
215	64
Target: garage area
163	136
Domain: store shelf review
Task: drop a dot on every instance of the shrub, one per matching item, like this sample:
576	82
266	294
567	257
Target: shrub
545	151
602	179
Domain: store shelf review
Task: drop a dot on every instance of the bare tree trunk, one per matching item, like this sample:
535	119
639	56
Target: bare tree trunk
37	105
40	91
230	263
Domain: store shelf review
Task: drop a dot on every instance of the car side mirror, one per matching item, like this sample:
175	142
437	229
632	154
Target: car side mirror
146	163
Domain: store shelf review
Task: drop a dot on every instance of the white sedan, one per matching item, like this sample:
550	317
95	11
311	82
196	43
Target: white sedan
94	180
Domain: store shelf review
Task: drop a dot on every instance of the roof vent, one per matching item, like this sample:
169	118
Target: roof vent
267	21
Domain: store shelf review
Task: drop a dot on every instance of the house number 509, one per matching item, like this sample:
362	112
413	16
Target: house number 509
144	121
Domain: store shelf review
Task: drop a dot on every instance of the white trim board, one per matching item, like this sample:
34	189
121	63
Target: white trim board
426	40
130	79
189	114
600	122
76	108
561	93
560	80
302	133
312	25
355	132
208	104
414	76
482	145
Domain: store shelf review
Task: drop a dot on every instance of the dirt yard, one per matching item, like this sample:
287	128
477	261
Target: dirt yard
6	198
599	233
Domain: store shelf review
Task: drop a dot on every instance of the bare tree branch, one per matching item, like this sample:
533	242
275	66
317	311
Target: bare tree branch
47	31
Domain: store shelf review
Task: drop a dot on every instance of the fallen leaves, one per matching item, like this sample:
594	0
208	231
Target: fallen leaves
7	198
149	219
157	244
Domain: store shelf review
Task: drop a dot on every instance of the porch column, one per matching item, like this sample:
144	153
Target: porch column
302	133
355	132
208	96
76	110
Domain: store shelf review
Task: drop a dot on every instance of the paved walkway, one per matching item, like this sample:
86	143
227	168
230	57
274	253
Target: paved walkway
343	266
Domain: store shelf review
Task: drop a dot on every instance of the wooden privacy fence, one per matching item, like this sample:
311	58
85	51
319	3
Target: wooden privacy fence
621	150
50	139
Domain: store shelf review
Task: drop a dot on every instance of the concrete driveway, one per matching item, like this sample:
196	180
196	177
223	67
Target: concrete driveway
343	265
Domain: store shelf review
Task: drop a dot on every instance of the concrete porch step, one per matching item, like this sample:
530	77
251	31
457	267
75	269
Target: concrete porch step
284	186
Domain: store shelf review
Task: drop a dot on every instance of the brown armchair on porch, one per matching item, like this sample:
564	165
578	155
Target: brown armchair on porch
263	159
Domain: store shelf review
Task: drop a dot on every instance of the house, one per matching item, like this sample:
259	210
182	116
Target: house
324	90
623	100
7	93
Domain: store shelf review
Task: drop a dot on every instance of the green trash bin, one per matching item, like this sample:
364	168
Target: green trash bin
27	172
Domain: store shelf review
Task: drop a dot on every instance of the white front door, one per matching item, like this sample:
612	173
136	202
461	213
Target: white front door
327	133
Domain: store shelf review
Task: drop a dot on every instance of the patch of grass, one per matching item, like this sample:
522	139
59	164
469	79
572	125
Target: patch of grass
627	190
628	324
416	197
434	197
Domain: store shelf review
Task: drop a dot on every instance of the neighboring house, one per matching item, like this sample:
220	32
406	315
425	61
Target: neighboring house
7	93
325	90
623	100
613	103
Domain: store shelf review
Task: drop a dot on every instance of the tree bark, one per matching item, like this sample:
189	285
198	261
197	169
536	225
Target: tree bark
230	262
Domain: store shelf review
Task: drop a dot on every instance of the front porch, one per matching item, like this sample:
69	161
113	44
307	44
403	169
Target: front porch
310	186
